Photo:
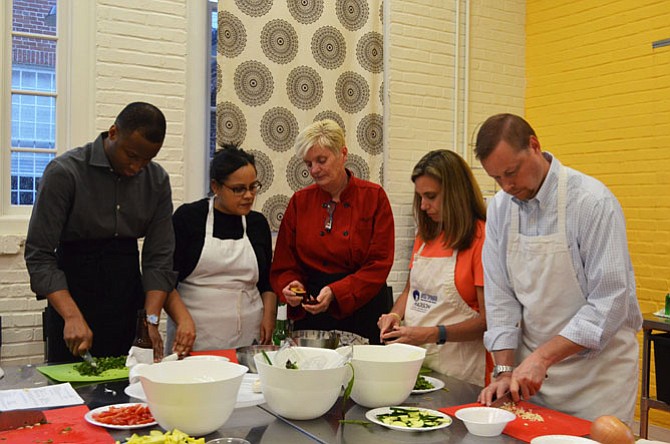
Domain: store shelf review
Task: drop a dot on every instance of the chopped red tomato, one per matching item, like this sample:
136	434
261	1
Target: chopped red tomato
125	416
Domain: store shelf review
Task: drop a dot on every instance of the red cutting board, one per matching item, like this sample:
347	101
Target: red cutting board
230	354
64	426
555	423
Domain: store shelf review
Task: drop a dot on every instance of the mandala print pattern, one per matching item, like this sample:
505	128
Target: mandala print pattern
232	37
369	52
304	87
352	14
231	127
297	174
370	134
305	11
264	171
352	92
279	128
274	209
279	41
332	115
328	47
253	83
254	8
358	166
282	64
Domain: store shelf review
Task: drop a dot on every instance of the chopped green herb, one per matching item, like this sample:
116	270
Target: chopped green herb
114	362
422	384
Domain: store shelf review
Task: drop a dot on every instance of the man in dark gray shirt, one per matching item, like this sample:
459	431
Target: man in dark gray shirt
94	203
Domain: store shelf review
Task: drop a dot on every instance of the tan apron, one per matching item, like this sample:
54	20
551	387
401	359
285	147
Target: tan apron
544	281
221	292
434	300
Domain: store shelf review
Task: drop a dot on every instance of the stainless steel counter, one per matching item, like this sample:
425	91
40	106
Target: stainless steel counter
260	425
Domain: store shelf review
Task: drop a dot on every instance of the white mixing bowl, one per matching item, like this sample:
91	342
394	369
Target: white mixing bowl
194	396
300	393
384	375
485	421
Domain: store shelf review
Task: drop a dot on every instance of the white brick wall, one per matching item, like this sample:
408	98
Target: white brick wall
421	90
141	49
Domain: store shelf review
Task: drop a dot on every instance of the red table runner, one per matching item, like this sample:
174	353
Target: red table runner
64	426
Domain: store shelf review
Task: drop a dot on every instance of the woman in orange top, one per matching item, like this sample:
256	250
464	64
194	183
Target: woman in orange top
446	281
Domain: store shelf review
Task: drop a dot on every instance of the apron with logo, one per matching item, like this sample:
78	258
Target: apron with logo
544	281
221	292
434	300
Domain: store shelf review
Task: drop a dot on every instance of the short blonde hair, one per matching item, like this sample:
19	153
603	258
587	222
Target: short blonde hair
324	133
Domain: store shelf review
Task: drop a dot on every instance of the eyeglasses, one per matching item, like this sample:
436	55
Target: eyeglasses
242	190
330	206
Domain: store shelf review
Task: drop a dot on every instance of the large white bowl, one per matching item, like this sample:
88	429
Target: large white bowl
300	394
384	375
194	396
485	421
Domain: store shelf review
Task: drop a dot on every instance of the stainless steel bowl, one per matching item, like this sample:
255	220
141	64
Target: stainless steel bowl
245	355
316	338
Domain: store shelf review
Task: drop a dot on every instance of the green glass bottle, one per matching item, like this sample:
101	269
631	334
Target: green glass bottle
667	304
281	326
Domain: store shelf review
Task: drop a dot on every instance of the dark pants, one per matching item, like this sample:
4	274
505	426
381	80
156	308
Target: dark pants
362	322
104	280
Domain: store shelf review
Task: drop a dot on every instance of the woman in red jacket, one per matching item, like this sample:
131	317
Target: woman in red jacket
336	241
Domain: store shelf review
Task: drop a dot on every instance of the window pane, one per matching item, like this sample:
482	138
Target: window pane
33	64
33	121
37	17
27	169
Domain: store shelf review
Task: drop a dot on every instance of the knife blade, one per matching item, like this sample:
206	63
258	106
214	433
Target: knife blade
504	399
88	358
14	419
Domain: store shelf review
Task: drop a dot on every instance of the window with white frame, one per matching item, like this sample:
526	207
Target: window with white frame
33	96
47	94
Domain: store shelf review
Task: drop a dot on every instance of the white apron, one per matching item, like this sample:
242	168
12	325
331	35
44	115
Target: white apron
221	292
544	281
434	300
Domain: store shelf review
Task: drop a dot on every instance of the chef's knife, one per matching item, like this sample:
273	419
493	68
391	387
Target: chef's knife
13	419
88	358
504	399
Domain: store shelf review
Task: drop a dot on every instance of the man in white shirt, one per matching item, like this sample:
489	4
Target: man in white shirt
561	307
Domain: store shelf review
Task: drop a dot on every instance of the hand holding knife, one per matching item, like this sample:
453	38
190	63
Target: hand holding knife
88	358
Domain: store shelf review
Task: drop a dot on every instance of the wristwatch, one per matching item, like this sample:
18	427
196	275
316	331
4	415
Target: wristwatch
152	319
441	334
498	369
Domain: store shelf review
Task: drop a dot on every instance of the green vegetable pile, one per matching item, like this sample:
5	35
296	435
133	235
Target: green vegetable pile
412	418
113	362
422	384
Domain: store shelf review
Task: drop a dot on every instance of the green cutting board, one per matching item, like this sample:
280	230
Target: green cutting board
67	373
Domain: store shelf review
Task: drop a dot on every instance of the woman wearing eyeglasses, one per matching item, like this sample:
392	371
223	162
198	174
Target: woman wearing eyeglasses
223	254
336	241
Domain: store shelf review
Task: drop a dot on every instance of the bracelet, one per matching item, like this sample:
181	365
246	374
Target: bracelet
396	315
441	334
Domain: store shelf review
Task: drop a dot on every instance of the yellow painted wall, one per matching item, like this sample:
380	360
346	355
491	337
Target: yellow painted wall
598	95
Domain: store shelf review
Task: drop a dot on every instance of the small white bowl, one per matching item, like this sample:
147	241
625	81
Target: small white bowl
485	421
